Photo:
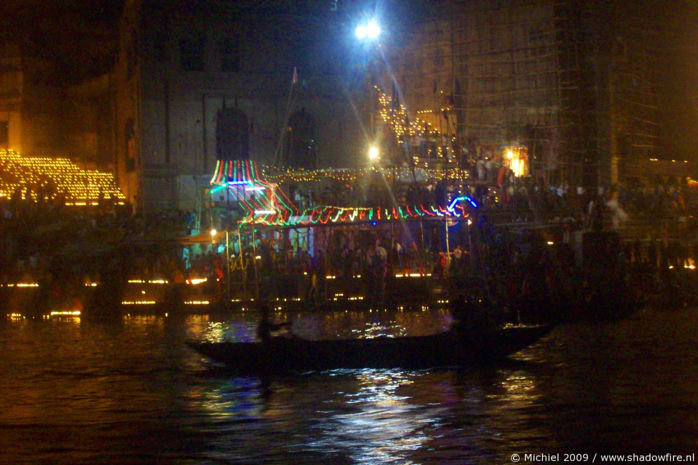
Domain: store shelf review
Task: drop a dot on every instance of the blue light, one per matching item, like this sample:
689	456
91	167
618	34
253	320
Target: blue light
455	200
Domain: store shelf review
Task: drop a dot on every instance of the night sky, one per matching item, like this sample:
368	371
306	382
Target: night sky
81	37
57	29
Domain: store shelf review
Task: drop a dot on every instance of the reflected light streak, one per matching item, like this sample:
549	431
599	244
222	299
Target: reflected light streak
150	281
384	427
66	313
520	388
237	399
218	331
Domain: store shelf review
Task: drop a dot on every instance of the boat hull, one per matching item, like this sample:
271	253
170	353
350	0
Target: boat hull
445	349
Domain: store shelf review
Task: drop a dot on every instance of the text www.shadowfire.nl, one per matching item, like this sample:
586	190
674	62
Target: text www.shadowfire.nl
602	458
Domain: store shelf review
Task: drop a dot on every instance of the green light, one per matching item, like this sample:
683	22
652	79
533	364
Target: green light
216	189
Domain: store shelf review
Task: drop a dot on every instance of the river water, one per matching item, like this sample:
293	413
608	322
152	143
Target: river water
131	392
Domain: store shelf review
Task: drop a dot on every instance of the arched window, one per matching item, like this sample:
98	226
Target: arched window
299	141
4	134
130	143
232	135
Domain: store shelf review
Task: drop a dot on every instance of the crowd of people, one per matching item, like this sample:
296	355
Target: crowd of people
36	230
496	189
40	234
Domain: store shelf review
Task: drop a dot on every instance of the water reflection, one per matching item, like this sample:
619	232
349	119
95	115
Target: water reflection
138	369
130	391
241	327
519	388
236	399
381	425
381	416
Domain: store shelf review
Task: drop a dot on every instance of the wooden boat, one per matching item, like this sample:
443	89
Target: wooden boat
444	349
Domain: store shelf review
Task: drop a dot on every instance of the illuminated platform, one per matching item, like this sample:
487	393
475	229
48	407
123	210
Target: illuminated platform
54	176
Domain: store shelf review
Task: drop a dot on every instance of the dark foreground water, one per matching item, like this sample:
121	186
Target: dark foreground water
75	392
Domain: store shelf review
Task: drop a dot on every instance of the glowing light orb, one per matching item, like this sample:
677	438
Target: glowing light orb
369	31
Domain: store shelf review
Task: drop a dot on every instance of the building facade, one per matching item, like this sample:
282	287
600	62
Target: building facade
42	114
227	80
30	104
583	92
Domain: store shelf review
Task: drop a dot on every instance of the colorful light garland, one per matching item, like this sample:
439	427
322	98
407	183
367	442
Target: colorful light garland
327	214
258	197
274	208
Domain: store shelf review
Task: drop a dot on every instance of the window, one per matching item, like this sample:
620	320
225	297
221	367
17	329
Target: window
438	59
130	140
232	135
229	54
131	51
536	34
299	141
160	46
4	134
192	54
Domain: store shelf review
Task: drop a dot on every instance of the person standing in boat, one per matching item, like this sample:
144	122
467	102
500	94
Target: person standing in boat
266	326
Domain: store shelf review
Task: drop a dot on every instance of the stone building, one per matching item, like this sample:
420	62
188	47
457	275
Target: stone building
197	82
88	122
30	102
585	92
40	113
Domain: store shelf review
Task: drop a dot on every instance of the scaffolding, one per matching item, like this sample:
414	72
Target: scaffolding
573	83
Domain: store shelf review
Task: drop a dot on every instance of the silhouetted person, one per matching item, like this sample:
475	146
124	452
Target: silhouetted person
265	327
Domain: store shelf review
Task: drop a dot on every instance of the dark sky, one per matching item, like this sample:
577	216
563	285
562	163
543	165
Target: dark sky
79	35
89	9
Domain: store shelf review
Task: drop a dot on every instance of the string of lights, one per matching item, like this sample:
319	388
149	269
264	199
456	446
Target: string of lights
266	203
255	195
54	175
350	175
326	214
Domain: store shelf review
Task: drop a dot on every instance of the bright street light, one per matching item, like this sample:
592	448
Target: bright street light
373	153
213	232
369	31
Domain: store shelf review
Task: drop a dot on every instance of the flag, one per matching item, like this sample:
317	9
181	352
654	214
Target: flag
294	79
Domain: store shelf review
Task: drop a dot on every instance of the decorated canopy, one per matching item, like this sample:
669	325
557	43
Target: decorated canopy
266	203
